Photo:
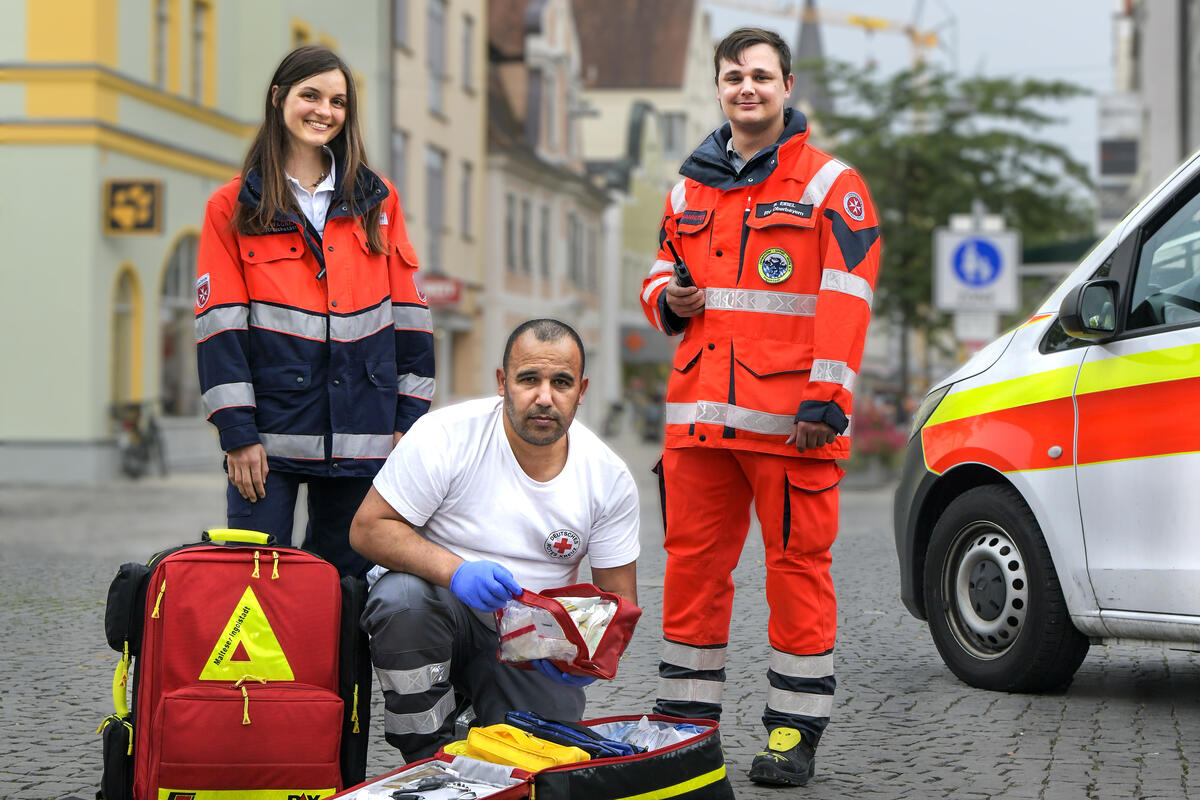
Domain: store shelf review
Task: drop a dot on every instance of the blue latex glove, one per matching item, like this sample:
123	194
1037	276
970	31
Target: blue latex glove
558	676
484	585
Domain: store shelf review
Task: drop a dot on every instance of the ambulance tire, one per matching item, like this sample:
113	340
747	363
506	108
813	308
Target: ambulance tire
996	609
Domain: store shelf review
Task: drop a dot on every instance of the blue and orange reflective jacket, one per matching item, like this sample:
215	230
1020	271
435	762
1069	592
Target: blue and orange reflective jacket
787	253
312	344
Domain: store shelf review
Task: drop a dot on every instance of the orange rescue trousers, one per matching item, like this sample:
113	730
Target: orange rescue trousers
706	497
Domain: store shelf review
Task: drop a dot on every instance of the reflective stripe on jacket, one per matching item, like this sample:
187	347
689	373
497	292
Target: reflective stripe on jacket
313	345
787	254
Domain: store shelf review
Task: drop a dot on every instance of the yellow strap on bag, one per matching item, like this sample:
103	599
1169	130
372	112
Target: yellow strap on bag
513	747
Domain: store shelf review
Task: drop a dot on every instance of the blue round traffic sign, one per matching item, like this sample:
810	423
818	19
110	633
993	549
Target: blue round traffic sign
976	262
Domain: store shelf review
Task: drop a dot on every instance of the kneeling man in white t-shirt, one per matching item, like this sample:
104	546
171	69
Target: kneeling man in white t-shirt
477	501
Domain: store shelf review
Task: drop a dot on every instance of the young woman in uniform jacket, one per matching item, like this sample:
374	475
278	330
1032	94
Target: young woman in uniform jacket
314	344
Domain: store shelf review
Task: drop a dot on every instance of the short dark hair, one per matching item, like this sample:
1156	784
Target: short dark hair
731	47
544	330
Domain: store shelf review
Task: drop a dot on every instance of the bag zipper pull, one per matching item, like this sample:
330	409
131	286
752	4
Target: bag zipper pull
255	573
275	567
162	589
246	694
354	710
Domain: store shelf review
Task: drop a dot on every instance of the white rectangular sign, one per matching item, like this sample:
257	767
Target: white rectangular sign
976	270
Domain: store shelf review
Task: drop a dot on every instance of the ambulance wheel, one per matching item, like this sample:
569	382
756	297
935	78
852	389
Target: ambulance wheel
996	610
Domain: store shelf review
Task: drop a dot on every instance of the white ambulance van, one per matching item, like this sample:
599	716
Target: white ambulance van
1050	496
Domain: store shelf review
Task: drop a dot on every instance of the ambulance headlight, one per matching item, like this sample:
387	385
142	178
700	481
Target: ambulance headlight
926	409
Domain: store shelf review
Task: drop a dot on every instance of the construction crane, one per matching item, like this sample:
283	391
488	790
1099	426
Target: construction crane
921	40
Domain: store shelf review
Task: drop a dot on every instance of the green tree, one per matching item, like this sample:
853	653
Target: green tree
929	144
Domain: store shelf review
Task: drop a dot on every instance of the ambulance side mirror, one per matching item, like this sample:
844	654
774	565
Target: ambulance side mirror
1089	311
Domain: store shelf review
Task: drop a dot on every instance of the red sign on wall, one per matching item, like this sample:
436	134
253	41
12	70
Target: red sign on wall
440	291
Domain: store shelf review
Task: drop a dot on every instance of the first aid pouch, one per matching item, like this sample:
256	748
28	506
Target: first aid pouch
581	629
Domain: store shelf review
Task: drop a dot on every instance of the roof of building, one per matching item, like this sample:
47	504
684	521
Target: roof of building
633	43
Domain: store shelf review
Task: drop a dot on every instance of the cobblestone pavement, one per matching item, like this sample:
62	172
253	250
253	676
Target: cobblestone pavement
903	727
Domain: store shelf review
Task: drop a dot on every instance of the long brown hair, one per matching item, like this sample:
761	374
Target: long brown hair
269	149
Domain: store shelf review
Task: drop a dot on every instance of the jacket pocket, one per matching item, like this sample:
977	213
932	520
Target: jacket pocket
382	374
271	247
283	378
766	358
407	253
687	355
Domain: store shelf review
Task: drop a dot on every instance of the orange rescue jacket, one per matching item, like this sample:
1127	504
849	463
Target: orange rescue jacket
787	253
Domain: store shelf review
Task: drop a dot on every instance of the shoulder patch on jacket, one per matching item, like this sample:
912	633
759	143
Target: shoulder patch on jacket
853	244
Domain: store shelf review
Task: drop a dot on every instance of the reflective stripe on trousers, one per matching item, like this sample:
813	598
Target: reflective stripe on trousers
423	722
799	683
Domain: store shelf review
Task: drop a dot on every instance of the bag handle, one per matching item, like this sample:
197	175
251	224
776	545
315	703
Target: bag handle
236	536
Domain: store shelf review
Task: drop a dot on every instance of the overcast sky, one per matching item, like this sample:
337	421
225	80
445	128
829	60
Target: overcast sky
1067	40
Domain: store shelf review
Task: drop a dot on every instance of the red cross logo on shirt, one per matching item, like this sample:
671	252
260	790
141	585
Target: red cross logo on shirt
562	544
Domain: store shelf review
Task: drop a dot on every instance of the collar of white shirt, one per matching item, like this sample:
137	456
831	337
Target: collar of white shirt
316	205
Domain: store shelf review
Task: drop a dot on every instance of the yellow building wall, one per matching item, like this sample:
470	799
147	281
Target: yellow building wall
77	77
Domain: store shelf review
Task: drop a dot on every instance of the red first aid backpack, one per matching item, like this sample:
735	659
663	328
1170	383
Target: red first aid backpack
251	679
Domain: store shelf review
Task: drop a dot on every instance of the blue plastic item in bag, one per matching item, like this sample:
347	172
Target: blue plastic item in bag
571	734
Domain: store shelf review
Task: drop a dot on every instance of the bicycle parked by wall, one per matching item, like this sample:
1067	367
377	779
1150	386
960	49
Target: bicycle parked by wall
139	438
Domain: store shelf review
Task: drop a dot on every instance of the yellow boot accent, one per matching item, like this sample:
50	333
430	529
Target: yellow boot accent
784	739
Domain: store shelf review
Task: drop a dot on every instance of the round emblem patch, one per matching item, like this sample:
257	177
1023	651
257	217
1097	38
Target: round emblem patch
562	544
774	265
854	206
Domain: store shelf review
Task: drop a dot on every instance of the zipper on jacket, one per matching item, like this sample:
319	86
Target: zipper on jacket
745	236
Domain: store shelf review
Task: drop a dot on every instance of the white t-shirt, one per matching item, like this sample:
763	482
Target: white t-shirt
455	478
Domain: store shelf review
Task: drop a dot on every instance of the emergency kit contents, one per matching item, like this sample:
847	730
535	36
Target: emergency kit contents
435	779
580	628
646	735
250	674
590	740
531	756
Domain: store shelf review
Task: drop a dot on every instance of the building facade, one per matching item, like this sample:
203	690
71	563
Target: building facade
437	160
1150	122
118	119
650	97
551	229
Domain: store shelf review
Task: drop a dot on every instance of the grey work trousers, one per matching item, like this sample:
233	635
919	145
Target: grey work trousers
433	656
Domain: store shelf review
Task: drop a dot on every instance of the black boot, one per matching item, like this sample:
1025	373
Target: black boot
787	761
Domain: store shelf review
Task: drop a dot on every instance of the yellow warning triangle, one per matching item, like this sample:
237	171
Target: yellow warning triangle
247	634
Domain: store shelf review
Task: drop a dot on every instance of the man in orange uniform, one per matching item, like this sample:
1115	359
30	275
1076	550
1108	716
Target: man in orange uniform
782	243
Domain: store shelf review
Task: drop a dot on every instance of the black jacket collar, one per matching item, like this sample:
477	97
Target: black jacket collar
369	191
710	165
